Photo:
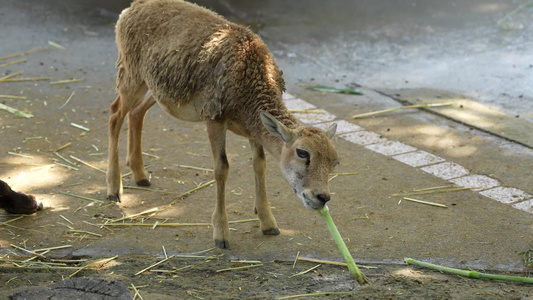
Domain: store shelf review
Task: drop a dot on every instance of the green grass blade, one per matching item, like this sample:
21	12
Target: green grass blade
467	273
354	270
328	89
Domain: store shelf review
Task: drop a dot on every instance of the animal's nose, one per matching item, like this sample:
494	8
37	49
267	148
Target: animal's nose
323	197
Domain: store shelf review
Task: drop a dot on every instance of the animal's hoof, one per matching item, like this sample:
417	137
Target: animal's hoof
273	231
224	244
144	182
39	205
113	198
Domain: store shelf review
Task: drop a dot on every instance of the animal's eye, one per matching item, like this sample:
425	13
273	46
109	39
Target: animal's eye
302	153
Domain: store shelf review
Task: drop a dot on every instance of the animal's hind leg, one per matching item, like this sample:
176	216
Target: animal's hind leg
114	181
135	125
262	208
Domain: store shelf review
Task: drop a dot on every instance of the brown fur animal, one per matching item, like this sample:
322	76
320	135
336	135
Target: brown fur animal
17	202
199	67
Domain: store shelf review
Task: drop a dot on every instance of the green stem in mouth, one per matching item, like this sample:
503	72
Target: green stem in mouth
354	270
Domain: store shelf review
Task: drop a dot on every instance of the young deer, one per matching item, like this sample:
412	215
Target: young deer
200	67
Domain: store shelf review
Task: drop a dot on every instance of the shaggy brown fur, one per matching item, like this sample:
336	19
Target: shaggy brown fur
200	67
225	61
17	202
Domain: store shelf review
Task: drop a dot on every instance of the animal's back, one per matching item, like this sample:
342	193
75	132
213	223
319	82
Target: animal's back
182	24
182	50
159	42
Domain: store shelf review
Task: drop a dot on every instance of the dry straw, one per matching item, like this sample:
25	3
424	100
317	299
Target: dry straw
154	265
401	107
94	265
240	268
425	202
23	53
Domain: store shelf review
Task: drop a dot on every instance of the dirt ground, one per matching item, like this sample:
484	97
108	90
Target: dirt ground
62	164
272	280
377	230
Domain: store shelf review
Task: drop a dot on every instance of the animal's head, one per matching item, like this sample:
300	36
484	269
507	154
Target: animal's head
307	158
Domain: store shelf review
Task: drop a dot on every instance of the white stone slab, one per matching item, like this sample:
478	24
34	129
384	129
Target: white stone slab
525	206
506	195
298	104
312	118
418	158
446	170
363	137
389	148
287	96
342	126
482	181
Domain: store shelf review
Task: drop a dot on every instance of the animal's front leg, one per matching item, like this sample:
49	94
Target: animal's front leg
262	208
216	131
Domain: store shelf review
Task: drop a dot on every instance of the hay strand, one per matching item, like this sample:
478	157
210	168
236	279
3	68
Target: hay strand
296	260
422	192
56	45
68	100
20	155
10	76
15	111
63	147
64	218
239	268
79	126
81	197
136	292
192	191
154	265
23	53
64	158
93	265
172	224
425	202
13	62
328	89
401	107
52	248
304	272
155	209
329	262
195	168
66	81
316	294
13	97
26	79
87	164
85	231
28	251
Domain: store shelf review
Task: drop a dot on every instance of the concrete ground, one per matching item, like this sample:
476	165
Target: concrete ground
473	54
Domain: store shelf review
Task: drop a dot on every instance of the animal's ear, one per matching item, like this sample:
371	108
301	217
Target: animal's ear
330	132
275	127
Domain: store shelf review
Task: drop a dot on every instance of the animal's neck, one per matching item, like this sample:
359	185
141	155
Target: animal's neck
249	124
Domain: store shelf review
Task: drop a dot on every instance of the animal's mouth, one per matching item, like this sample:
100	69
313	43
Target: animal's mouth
310	203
